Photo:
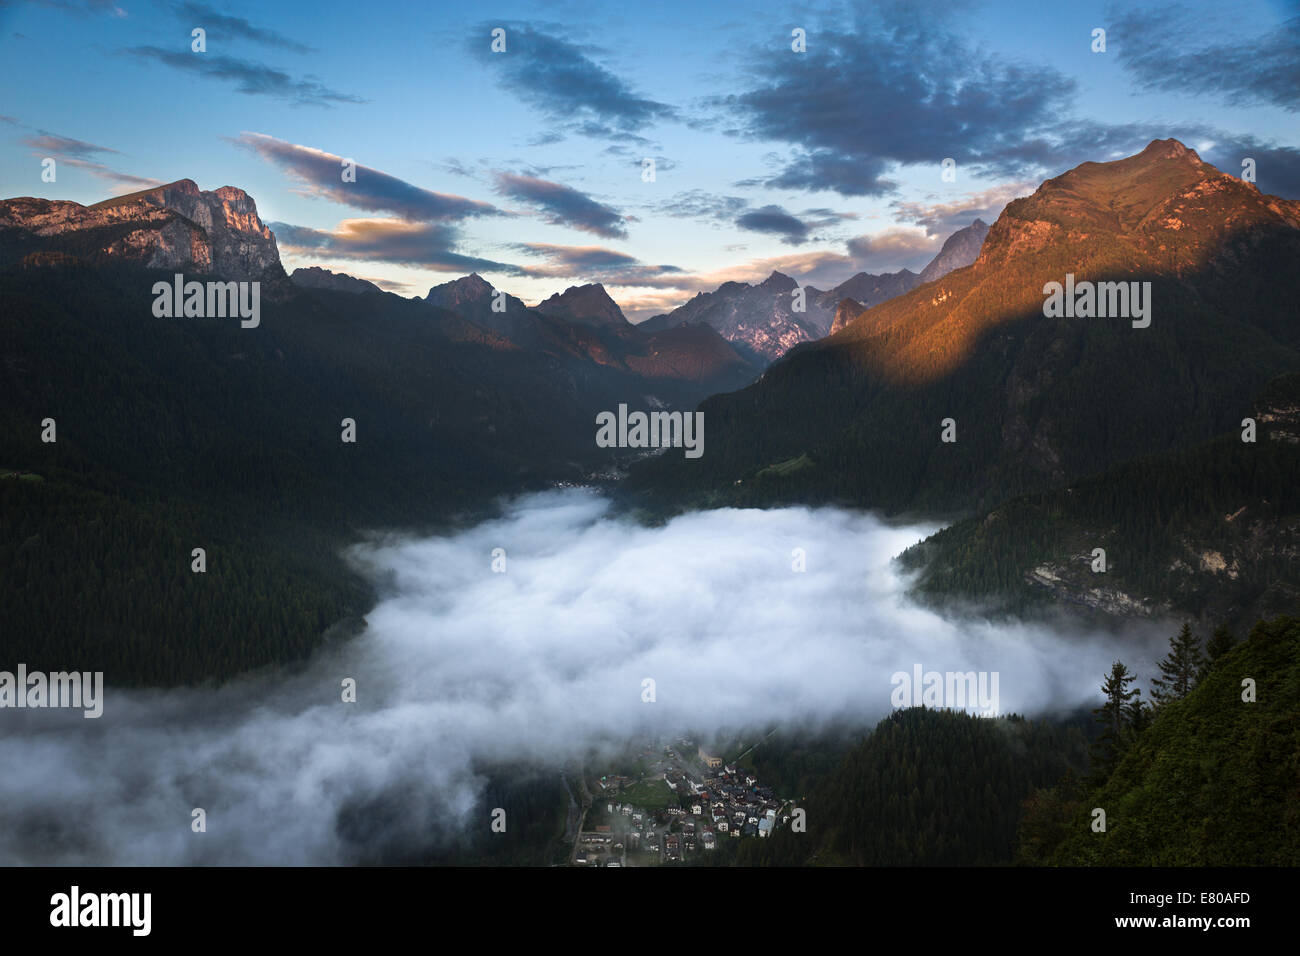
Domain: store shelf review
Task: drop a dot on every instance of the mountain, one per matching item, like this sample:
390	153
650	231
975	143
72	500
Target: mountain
315	277
585	326
1036	400
1212	531
762	323
200	432
472	297
959	250
586	305
174	227
867	289
759	320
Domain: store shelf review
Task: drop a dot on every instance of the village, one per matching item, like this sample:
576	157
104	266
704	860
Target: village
684	801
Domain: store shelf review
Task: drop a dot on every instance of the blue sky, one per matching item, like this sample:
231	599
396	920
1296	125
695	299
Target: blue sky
526	165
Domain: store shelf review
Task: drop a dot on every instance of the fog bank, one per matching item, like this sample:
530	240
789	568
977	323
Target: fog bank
461	664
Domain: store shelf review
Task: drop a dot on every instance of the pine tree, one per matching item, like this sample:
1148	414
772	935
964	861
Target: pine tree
1181	668
1220	642
1116	716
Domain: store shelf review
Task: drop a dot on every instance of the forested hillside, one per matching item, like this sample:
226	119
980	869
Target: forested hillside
1213	531
173	435
926	788
1212	778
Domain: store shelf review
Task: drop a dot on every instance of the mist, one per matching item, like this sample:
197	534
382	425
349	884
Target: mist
462	666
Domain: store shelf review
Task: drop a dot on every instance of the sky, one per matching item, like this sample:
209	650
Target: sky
528	165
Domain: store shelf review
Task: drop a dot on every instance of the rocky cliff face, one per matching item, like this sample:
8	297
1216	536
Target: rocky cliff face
959	250
846	312
177	226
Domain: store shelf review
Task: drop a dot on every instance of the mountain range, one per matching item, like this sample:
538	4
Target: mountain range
1029	403
763	322
173	432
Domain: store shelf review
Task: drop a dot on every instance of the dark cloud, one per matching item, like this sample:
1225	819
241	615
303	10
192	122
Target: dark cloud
373	190
82	8
698	204
864	104
218	23
1277	168
1165	49
429	245
593	263
563	205
255	79
775	220
560	79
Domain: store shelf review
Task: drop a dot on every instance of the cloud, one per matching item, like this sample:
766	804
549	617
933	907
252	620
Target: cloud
214	22
460	668
942	219
775	220
559	79
85	7
1165	49
863	105
1277	168
894	249
78	154
373	190
699	204
563	205
64	146
430	245
593	263
255	79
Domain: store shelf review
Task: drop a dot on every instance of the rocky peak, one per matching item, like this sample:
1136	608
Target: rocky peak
959	250
314	277
586	305
470	288
778	282
173	226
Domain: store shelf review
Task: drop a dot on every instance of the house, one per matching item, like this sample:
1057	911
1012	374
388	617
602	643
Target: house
708	759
